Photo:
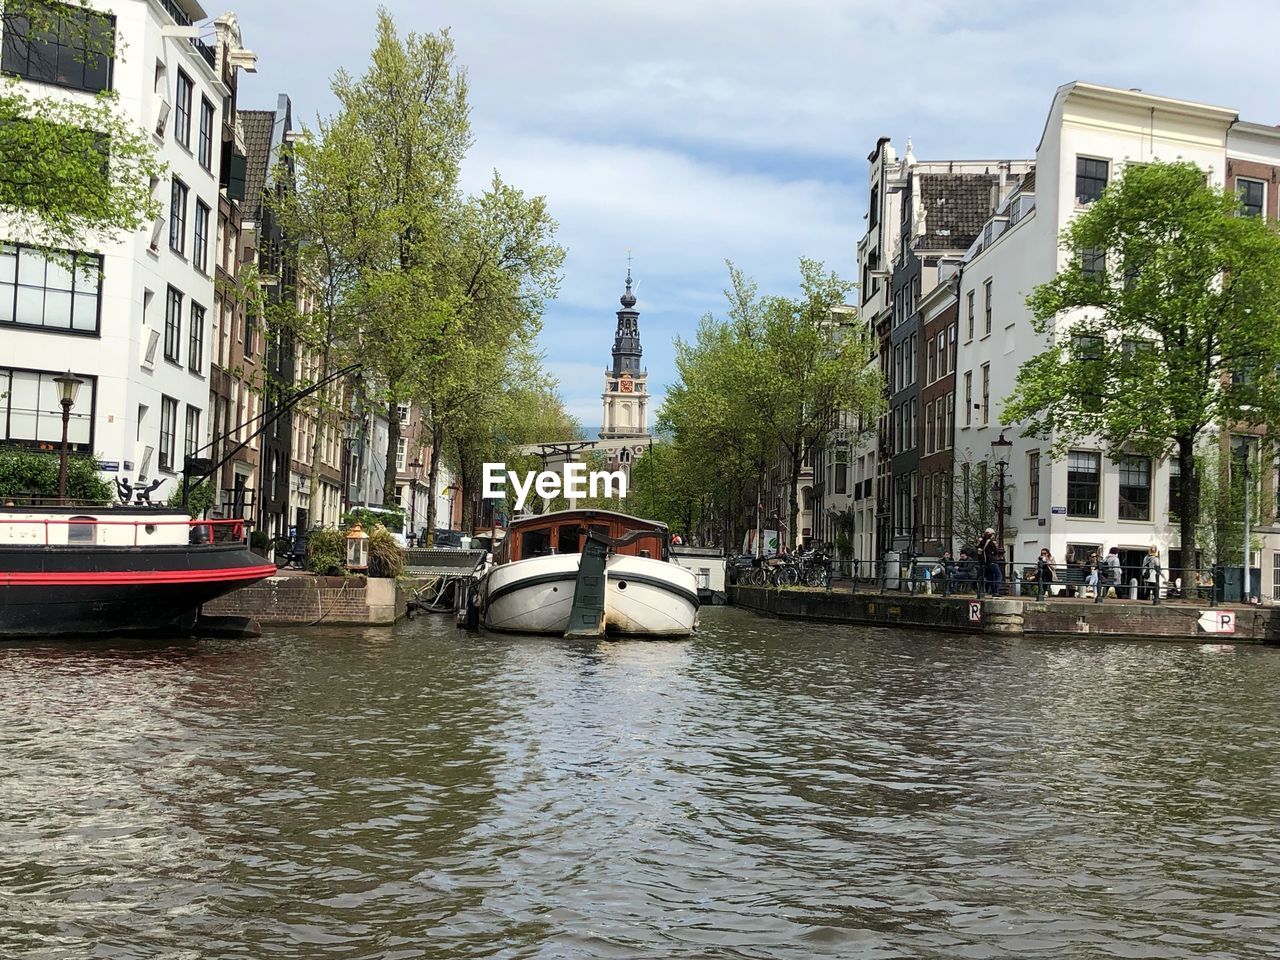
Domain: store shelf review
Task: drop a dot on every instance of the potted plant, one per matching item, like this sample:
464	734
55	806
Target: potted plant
260	543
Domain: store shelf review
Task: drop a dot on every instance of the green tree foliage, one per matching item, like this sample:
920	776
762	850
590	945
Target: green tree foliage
203	498
26	474
69	166
767	380
1164	324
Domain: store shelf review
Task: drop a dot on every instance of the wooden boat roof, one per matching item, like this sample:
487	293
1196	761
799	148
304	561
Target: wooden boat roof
557	516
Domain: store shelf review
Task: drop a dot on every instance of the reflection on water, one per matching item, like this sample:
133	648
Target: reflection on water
764	790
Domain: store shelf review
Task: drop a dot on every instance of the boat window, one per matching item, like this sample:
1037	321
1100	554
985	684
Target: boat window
567	541
82	530
535	543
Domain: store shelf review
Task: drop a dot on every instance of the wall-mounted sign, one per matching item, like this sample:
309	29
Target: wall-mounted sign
109	466
1217	621
975	611
1058	510
1042	521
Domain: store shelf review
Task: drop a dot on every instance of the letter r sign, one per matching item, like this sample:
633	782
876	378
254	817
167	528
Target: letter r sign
975	611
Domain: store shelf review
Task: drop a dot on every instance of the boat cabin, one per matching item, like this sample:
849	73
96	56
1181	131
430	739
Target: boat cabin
566	531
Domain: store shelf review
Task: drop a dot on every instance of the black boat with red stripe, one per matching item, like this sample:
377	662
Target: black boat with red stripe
69	571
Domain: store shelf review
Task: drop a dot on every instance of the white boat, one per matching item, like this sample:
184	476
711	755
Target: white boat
587	573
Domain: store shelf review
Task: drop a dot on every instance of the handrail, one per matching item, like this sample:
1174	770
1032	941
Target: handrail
235	523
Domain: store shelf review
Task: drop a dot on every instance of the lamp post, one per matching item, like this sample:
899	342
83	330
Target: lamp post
416	467
1242	451
68	387
1001	448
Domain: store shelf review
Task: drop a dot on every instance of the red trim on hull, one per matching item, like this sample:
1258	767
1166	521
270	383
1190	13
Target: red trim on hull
111	577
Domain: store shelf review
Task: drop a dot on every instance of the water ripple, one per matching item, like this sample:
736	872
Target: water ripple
764	790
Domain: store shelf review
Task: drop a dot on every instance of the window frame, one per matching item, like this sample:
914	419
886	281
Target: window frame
986	306
173	303
1087	190
204	145
1139	510
1074	497
200	239
165	451
17	251
16	40
178	216
79	414
195	337
183	93
1033	483
1241	182
191	444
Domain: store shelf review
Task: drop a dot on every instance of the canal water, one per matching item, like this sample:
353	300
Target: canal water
766	789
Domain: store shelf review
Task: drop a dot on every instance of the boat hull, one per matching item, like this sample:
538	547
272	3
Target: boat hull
65	591
643	597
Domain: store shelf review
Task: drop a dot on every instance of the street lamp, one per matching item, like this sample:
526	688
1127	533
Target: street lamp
68	388
1001	448
1242	451
416	466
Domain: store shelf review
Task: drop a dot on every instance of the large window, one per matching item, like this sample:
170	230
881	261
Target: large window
986	306
30	414
57	291
1083	481
968	397
173	326
986	394
402	446
1093	263
178	217
1175	487
1252	196
205	149
1091	178
56	43
1033	484
168	428
1135	488
969	312
195	339
182	111
200	251
842	469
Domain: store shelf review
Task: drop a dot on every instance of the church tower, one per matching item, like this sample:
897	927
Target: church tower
626	396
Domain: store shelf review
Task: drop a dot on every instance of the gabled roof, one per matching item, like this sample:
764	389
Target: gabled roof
257	126
955	205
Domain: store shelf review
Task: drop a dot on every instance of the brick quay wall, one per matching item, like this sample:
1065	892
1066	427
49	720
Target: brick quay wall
1113	619
306	600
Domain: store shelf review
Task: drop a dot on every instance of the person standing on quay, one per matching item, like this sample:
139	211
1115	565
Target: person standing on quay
1046	571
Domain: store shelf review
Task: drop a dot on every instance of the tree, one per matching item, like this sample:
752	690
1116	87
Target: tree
1162	326
69	167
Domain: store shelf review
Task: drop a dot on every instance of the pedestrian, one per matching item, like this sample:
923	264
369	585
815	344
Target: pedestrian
1091	573
1046	571
1150	572
993	560
1109	569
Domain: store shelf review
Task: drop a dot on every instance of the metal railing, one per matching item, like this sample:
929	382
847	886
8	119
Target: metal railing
934	576
199	531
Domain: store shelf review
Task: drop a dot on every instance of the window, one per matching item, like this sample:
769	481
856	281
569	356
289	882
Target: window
969	314
950	421
1033	484
205	149
178	217
173	325
403	410
1175	487
193	431
1135	488
30	414
930	438
168	424
1083	480
968	398
1091	179
914	435
986	394
195	339
1252	195
913	359
940	424
942	354
250	334
52	291
402	446
873	211
951	348
200	251
986	306
1093	263
67	46
842	469
182	111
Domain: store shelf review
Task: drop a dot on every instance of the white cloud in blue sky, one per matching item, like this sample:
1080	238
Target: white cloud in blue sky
695	131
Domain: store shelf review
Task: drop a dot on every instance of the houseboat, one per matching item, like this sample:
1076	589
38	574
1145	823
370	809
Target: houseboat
586	573
111	571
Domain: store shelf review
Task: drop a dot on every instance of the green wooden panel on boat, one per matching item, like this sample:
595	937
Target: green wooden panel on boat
587	617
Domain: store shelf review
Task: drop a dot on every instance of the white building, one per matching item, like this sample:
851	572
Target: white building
133	320
1086	500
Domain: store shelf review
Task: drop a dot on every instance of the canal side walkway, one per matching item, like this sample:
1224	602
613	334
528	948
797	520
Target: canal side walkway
1015	616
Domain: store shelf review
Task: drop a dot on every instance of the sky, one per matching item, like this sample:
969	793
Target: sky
692	132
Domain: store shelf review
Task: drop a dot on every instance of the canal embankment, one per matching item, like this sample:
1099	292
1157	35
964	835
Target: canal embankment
305	599
1014	616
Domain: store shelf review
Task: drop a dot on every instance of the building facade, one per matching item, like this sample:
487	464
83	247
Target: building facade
130	315
624	431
